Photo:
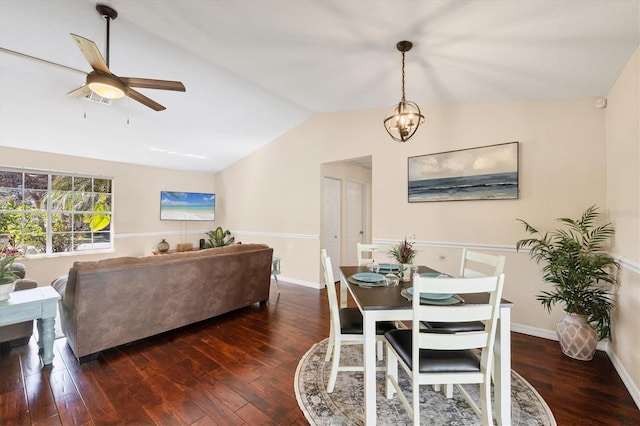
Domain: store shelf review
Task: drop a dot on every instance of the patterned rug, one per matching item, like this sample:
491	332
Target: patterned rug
345	406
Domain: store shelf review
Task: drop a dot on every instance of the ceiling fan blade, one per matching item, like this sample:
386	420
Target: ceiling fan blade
149	83
44	61
137	96
80	92
91	53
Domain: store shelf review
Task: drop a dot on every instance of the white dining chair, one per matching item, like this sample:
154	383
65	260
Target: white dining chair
437	357
365	253
275	270
346	326
474	264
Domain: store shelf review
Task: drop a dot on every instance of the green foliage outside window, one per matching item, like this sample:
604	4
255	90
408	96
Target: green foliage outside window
20	227
44	212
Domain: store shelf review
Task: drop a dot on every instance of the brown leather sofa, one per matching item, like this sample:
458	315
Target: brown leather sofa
116	301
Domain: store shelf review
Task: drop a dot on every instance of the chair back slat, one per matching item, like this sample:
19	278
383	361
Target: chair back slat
474	339
475	264
455	285
455	314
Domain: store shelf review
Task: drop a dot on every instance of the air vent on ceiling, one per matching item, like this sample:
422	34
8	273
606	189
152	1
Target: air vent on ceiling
97	98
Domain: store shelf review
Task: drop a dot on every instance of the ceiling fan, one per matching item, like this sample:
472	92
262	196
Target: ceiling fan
101	80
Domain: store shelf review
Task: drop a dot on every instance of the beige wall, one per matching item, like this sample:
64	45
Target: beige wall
562	171
623	202
137	225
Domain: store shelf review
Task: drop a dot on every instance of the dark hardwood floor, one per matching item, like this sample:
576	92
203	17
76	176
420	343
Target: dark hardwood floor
238	369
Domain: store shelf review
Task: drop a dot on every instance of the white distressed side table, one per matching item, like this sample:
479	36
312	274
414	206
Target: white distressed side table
35	303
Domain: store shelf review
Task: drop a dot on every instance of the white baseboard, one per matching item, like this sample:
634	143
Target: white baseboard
626	378
603	345
534	331
303	283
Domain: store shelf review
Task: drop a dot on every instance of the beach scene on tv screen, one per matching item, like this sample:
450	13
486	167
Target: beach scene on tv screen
187	206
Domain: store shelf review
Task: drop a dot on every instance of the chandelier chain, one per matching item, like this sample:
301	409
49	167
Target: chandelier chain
405	118
403	98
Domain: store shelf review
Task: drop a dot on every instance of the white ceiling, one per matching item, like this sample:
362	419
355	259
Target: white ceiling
254	69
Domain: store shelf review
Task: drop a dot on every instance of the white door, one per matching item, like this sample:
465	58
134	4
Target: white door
355	219
332	222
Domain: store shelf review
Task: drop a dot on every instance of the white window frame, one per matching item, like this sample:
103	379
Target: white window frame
87	248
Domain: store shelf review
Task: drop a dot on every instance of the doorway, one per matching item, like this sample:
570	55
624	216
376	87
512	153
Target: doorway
346	216
332	221
355	219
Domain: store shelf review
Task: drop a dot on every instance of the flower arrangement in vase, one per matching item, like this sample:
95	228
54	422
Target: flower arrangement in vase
404	253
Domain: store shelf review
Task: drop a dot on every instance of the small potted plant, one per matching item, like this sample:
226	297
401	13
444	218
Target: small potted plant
581	274
7	276
217	238
404	253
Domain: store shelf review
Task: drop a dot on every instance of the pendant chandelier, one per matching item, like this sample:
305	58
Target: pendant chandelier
405	118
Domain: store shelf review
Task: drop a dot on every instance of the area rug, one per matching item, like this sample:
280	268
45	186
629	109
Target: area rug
345	406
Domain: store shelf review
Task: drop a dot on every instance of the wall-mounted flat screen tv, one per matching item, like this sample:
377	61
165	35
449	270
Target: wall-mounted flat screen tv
187	205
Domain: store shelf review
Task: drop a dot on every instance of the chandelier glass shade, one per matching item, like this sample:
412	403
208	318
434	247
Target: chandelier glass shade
404	119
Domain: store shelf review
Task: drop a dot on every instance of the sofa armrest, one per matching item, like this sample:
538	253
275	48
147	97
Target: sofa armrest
25	284
60	285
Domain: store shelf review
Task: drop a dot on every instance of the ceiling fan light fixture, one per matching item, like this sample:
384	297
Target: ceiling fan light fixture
404	119
105	86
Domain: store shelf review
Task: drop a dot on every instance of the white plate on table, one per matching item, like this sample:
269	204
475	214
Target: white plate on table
431	296
389	266
435	275
368	277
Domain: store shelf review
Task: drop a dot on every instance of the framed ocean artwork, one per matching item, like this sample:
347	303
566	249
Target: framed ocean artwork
483	173
187	205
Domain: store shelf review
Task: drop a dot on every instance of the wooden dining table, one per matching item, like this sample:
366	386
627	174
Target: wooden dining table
382	303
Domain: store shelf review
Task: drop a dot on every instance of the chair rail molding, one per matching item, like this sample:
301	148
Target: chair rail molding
204	231
624	262
627	263
128	235
277	235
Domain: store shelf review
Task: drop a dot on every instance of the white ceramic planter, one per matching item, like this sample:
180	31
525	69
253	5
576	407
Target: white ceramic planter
5	289
577	338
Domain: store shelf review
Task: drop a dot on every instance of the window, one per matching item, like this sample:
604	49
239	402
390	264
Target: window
48	212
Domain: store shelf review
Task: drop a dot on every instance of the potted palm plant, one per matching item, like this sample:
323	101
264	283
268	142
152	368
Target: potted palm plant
581	274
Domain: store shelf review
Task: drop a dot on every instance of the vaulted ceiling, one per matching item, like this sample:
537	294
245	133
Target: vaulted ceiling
255	69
